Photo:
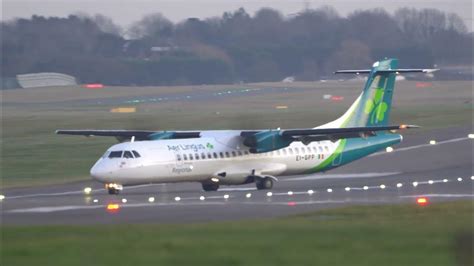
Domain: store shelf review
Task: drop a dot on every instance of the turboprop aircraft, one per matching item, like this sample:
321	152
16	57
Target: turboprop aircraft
235	157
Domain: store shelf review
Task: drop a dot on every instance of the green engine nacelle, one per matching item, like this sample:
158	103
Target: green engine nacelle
267	141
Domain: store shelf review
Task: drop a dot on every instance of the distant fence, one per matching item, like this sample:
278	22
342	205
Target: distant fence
45	80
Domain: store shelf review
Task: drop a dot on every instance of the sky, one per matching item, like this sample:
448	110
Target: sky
125	12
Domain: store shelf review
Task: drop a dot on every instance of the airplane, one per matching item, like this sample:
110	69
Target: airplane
235	157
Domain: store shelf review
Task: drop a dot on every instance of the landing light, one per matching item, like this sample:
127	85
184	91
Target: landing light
2	197
366	187
471	136
290	193
459	179
124	200
248	195
431	182
95	201
432	142
177	198
399	185
422	201
382	186
389	149
215	180
310	192
226	196
415	184
269	194
329	190
445	180
202	198
472	177
347	189
87	190
151	199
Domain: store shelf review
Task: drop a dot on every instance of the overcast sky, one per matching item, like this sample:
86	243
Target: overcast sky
124	12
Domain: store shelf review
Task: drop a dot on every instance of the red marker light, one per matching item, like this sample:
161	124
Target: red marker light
422	201
291	203
94	86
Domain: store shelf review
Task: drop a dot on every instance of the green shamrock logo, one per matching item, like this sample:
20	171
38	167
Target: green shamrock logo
378	105
209	146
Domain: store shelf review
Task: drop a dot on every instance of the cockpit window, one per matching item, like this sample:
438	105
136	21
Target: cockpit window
137	155
127	155
115	154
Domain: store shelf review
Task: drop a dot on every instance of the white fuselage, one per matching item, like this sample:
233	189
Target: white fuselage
216	154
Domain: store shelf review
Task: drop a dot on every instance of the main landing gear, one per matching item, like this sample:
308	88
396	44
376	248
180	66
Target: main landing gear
113	189
264	183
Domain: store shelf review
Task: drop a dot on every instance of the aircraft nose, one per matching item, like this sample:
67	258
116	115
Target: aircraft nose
99	172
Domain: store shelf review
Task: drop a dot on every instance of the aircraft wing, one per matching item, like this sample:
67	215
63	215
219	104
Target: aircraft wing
123	135
269	140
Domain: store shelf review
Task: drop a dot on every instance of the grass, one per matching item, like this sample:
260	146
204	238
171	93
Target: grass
439	234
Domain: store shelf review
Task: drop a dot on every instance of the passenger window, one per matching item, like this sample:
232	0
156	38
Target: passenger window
315	149
221	154
190	157
227	154
234	154
209	156
290	150
137	155
327	149
246	152
203	156
308	149
185	157
240	153
115	154
284	152
320	149
196	156
215	155
297	150
178	157
127	155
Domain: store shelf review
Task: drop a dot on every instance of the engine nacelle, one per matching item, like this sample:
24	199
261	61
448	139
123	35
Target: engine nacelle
267	141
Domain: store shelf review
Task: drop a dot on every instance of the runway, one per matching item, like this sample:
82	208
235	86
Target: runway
441	171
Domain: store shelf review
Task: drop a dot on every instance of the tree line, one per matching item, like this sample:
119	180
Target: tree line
235	47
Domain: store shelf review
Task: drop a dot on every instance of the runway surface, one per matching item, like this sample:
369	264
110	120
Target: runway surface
440	172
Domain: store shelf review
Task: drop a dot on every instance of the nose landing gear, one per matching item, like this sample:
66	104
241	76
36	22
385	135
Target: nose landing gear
113	188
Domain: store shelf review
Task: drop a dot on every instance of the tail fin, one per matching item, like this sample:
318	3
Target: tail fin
372	107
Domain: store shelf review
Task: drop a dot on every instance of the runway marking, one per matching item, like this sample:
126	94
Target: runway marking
341	176
74	192
421	146
441	196
238	189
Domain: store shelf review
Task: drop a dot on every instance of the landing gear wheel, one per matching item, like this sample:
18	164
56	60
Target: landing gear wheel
113	191
210	186
264	183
